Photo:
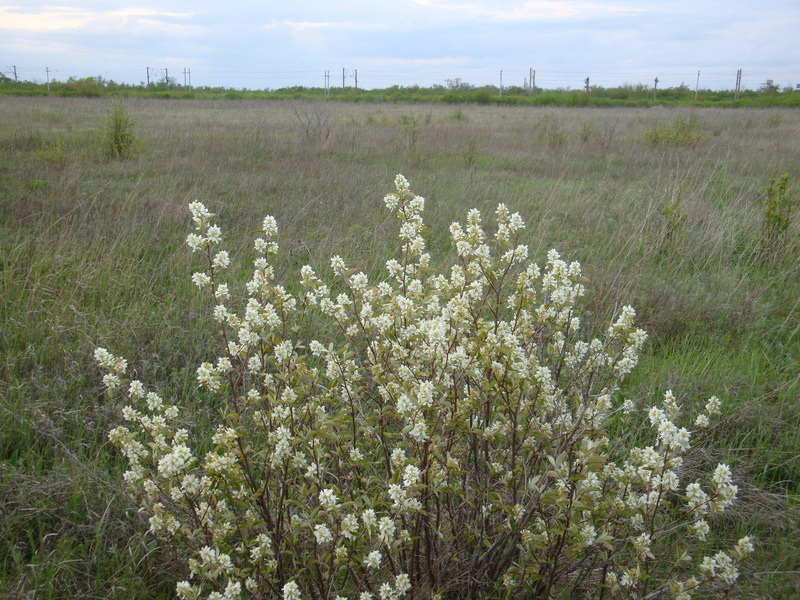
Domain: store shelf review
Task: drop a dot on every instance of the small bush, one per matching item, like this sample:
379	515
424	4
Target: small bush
315	120
459	116
779	212
118	141
54	152
483	97
683	131
451	441
552	131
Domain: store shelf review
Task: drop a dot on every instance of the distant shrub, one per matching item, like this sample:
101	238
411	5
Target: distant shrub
769	87
483	97
780	208
576	98
451	441
315	120
682	131
459	116
551	131
54	152
548	98
117	139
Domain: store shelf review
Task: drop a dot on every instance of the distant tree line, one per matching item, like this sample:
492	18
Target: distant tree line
453	91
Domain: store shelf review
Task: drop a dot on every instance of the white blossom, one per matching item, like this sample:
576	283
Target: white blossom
328	499
291	591
322	534
373	560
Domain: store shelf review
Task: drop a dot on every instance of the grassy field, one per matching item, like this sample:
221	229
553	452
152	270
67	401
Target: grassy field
665	209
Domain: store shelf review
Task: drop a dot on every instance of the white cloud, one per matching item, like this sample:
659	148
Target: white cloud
427	62
57	18
546	10
49	20
304	26
300	27
533	10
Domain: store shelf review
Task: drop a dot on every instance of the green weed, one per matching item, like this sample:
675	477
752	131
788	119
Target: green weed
673	219
586	131
459	116
413	125
470	154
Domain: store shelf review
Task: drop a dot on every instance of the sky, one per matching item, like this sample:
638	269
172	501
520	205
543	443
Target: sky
271	44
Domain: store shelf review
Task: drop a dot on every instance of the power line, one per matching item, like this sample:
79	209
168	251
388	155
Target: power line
716	78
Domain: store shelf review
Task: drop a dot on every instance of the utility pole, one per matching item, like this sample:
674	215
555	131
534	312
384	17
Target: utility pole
697	86
587	85
166	78
533	81
327	83
343	77
148	76
47	70
738	84
356	72
655	87
15	73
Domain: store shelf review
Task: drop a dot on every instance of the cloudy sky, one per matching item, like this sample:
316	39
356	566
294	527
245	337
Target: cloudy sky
277	43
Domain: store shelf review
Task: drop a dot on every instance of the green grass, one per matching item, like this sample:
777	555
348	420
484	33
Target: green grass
92	253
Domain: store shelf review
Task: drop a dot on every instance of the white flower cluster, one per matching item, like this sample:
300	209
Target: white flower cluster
458	438
115	366
724	565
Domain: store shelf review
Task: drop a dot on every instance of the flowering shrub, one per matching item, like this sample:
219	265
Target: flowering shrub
453	446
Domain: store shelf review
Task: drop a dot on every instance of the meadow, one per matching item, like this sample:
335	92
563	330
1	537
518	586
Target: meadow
671	210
